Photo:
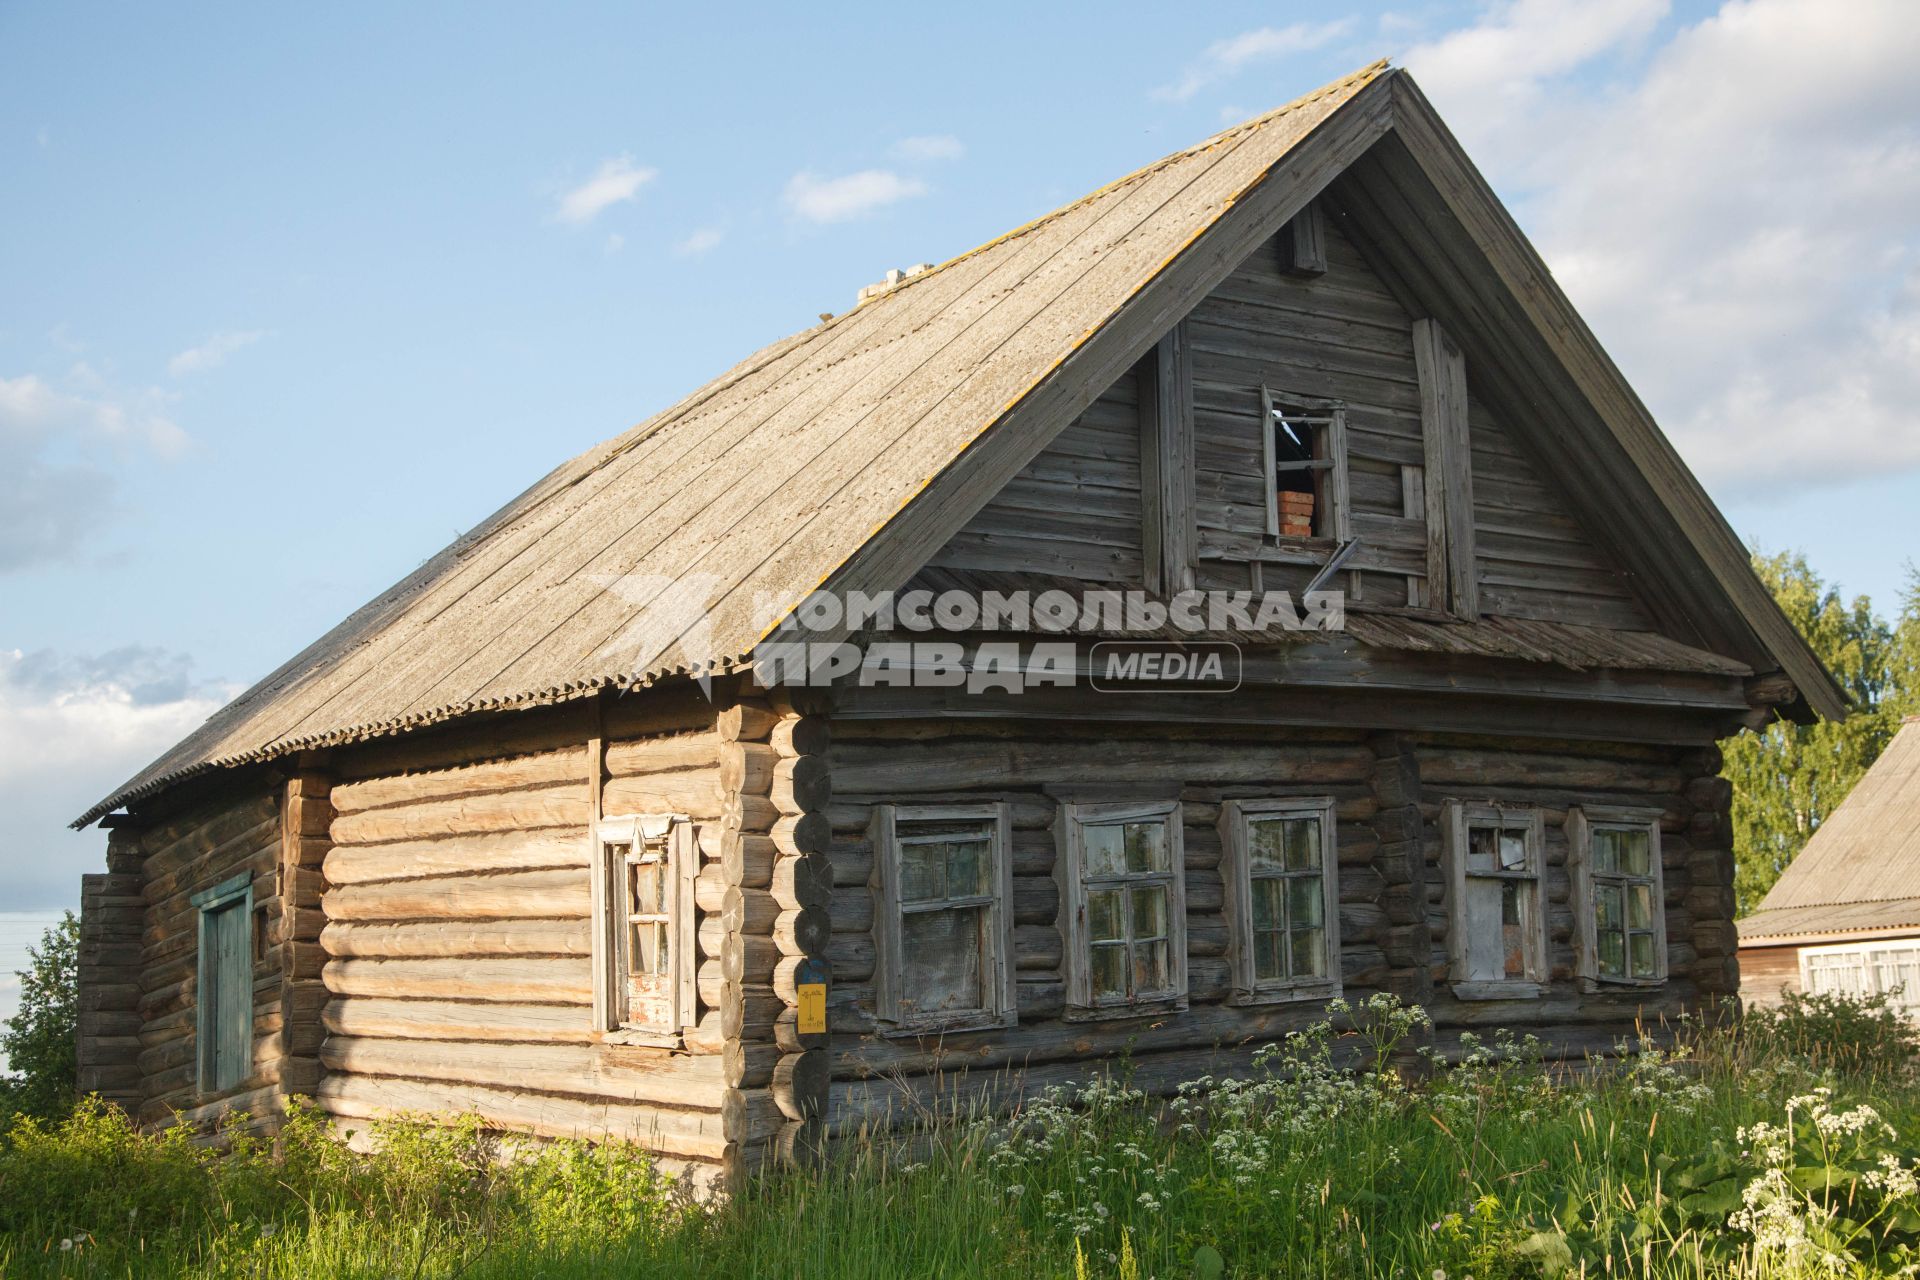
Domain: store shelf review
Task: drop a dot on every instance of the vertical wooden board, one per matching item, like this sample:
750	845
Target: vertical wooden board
1451	571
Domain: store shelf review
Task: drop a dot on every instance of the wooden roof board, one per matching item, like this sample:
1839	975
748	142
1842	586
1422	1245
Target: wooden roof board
1868	849
873	406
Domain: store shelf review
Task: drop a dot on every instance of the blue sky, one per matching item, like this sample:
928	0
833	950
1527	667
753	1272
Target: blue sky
291	297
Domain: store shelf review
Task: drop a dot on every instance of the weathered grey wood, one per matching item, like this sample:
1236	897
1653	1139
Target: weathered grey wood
1165	380
1304	243
1449	479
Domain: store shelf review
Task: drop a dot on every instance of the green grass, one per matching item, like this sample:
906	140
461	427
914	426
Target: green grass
1492	1168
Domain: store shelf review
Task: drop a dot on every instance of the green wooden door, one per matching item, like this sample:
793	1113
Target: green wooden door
227	1000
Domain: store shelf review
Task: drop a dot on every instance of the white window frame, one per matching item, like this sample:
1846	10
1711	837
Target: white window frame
1582	821
1458	817
1074	886
1866	961
1325	416
997	978
1236	838
672	837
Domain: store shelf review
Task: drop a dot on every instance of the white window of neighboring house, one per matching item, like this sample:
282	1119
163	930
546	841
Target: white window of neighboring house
1123	900
1283	918
645	964
1619	904
1306	482
943	923
1858	969
1496	916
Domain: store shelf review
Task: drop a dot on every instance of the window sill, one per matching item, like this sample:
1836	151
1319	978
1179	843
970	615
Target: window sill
1116	1012
1499	990
1299	994
1597	985
945	1027
634	1038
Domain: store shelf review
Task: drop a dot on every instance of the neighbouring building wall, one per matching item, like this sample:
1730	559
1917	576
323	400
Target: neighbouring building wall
1767	974
1386	791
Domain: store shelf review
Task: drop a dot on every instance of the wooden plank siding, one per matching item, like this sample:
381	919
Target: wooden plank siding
1386	789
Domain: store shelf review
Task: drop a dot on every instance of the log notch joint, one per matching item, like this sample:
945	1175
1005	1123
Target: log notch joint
107	1049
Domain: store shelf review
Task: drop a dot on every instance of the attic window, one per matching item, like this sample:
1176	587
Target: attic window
1305	449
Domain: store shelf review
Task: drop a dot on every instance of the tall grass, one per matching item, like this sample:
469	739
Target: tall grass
1721	1158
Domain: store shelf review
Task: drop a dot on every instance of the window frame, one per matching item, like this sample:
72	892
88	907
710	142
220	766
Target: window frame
234	894
1459	817
1581	823
1070	842
1330	416
1236	830
997	976
676	836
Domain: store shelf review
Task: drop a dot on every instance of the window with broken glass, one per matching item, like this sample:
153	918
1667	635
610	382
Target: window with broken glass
1619	905
1124	888
944	919
1305	448
1497	922
645	976
1282	899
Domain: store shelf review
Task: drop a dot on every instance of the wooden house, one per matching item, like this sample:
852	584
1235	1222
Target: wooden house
1844	917
525	837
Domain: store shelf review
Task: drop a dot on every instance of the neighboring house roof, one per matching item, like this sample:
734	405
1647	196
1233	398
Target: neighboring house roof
846	455
1861	869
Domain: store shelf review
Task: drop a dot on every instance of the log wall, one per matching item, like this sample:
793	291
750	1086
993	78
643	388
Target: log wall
457	934
1387	790
107	1048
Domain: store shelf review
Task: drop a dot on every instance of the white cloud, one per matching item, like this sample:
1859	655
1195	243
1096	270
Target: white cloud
616	181
1737	220
704	240
820	199
212	353
930	146
59	454
1225	58
72	727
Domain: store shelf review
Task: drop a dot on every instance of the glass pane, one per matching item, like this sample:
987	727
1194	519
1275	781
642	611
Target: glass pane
1104	857
1267	846
1635	851
1606	906
1150	912
1109	969
1606	850
1267	956
1483	939
1303	844
1513	850
1104	920
1514	908
1640	906
1481	845
923	872
646	884
943	960
1150	967
1641	945
1309	953
647	949
1267	905
1612	955
1305	901
1146	846
967	868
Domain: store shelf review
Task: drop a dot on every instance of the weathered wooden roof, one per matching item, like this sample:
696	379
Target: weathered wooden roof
846	454
1861	869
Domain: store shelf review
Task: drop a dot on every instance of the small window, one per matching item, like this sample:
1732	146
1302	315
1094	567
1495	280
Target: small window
1124	901
1306	467
944	926
1619	906
1282	899
1857	969
646	970
223	1011
1497	928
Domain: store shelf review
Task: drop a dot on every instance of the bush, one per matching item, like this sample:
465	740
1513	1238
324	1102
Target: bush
1866	1035
39	1039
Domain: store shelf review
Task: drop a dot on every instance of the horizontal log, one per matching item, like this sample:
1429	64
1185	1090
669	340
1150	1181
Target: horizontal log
674	754
619	1072
518	981
508	895
561	805
802	784
695	793
747	768
898	769
514	773
456	855
450	939
802	735
800	1083
746	722
370	1016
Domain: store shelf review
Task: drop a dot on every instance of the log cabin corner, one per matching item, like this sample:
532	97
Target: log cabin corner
526	837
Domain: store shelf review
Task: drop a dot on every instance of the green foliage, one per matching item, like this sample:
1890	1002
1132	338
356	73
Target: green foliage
39	1039
1867	1035
1787	779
